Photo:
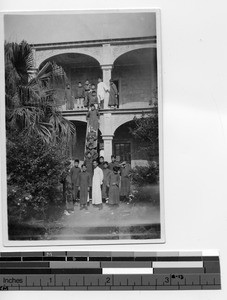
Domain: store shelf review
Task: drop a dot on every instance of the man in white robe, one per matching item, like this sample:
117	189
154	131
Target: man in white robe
102	89
97	181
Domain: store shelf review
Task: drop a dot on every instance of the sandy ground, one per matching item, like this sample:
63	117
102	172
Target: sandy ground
108	223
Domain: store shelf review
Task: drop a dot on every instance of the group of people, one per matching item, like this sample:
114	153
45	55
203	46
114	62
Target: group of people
88	94
97	182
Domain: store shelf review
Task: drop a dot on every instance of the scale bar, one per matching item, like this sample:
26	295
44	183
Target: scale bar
111	271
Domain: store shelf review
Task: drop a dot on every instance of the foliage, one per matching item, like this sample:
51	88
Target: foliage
37	134
146	129
34	171
30	96
143	175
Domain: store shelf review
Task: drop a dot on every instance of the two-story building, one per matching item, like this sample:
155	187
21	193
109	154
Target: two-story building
132	64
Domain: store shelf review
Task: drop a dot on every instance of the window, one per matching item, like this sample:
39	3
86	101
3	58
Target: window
123	151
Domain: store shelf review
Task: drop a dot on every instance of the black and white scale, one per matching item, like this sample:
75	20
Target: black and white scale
76	270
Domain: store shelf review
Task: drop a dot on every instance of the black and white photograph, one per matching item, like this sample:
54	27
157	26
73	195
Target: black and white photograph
83	128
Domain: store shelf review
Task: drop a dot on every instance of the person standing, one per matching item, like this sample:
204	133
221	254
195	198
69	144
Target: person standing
74	172
105	189
93	118
125	181
93	99
113	99
97	182
113	163
102	89
101	162
86	92
68	97
83	185
88	162
67	189
113	184
79	96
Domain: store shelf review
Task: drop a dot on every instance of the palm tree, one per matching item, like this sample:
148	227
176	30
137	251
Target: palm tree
30	100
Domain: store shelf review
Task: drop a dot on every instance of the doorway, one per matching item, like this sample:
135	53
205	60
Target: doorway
117	83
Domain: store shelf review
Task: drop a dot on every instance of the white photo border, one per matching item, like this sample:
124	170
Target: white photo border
14	243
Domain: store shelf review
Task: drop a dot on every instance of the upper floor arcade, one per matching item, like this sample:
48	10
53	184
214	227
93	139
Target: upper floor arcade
131	63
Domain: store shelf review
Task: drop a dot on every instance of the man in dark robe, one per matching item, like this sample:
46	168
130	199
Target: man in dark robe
113	98
89	164
86	92
84	184
113	184
113	163
105	189
67	189
93	118
74	172
93	99
125	181
79	96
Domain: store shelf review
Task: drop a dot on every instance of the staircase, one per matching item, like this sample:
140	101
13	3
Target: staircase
91	140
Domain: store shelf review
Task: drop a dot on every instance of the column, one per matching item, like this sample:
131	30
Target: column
33	72
106	74
107	135
108	142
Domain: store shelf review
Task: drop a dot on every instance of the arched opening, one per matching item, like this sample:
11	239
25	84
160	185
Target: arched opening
127	147
79	68
135	74
77	145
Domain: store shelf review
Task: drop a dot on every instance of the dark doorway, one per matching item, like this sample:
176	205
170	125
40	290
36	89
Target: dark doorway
116	82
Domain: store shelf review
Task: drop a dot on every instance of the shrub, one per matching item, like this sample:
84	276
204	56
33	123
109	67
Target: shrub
34	170
143	175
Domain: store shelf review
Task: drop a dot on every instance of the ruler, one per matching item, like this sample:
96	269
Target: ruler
74	270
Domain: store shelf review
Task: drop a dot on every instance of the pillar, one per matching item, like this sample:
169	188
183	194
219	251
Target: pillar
107	135
108	146
106	74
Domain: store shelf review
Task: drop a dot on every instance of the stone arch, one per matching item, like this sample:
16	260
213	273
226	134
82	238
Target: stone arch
119	51
71	58
44	55
135	73
119	120
127	147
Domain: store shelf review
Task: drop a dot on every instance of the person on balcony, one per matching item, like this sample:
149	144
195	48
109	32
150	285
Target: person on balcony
102	89
113	99
93	88
93	99
68	97
79	96
86	92
93	118
97	182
